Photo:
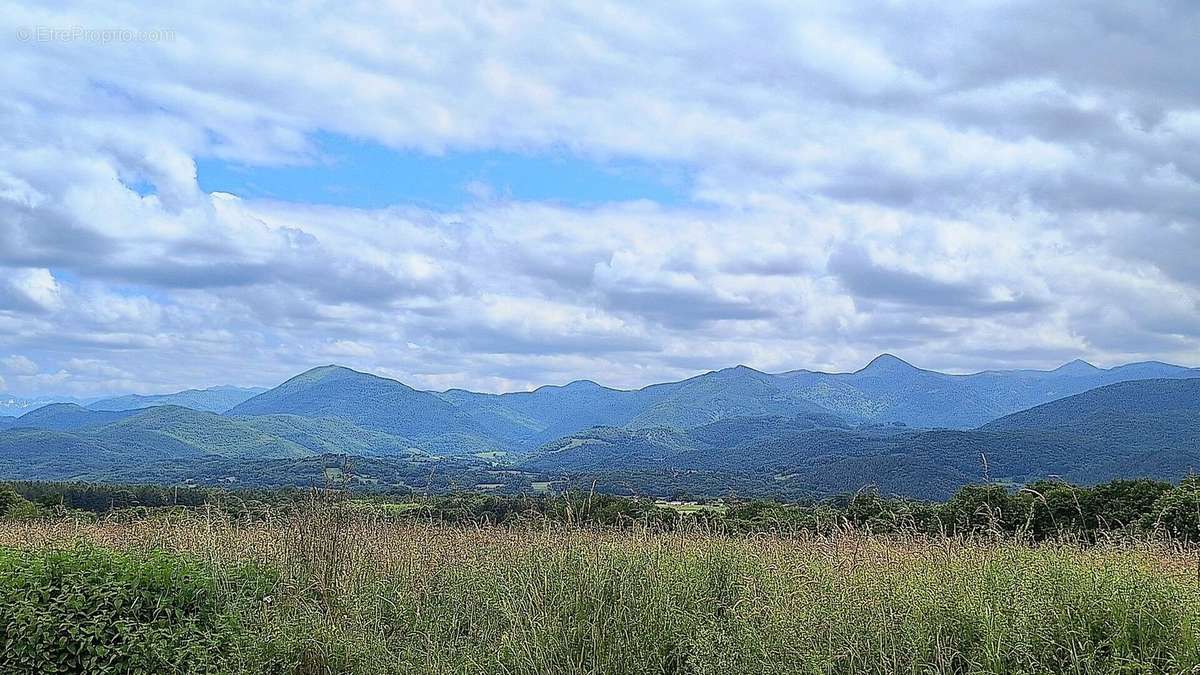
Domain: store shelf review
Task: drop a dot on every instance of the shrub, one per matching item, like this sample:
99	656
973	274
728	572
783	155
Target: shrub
984	508
97	611
1177	511
13	505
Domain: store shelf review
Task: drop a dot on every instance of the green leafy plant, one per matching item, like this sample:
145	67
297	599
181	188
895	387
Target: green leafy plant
92	610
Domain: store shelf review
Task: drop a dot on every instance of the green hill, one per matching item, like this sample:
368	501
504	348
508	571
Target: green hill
68	417
195	432
370	402
733	392
1139	402
328	435
39	454
174	441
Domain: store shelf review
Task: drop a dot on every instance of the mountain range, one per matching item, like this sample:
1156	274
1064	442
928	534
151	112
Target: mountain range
798	433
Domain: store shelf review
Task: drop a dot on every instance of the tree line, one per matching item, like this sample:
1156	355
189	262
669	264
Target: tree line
1038	510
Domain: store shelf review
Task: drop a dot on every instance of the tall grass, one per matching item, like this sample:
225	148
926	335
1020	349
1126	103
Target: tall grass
363	593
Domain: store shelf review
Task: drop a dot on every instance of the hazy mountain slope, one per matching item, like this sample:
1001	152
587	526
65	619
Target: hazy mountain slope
193	432
214	399
824	461
169	443
6	422
495	419
528	419
68	417
583	404
732	392
1137	400
736	431
368	401
891	390
328	435
1024	455
14	406
602	448
39	454
1145	428
33	454
717	445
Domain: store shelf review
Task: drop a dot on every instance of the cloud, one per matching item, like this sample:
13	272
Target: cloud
861	178
19	365
868	280
30	290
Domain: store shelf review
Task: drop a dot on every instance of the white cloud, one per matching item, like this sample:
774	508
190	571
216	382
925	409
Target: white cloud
866	178
350	348
32	290
19	365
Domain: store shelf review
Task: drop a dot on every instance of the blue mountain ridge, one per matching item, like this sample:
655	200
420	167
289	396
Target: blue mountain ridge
922	430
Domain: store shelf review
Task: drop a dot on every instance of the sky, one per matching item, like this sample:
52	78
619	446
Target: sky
501	195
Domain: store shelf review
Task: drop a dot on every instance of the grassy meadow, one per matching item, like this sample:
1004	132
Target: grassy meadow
331	589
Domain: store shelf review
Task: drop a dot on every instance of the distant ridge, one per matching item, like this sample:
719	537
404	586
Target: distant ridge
13	406
67	417
213	399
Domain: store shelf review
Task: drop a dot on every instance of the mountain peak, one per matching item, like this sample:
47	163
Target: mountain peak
327	369
740	369
1076	366
888	363
328	372
335	375
573	385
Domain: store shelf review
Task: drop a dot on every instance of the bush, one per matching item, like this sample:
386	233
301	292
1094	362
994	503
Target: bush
97	611
1177	512
13	505
983	508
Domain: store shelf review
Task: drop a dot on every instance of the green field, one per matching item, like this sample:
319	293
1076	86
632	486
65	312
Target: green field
330	589
690	507
543	487
385	508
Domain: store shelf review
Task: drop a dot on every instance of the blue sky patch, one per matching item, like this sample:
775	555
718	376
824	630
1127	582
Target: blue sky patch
368	175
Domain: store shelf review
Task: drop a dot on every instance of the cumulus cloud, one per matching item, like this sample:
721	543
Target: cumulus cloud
19	365
30	290
956	182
